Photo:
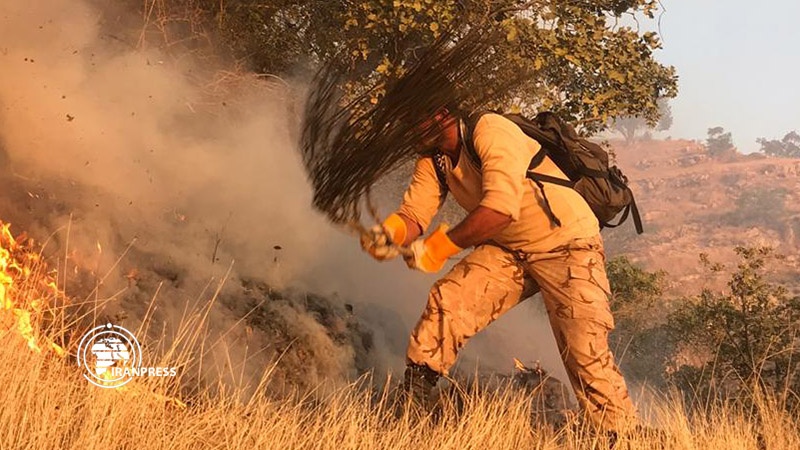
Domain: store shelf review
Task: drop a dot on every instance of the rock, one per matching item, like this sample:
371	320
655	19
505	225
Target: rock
691	160
644	164
550	399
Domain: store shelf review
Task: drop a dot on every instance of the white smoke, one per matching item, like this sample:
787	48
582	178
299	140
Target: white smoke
134	154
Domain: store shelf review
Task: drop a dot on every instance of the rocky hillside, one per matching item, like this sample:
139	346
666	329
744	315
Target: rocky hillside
694	203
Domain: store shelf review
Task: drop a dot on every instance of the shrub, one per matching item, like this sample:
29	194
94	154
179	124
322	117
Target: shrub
744	337
759	207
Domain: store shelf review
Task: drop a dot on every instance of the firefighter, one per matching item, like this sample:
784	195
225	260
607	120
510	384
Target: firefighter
517	249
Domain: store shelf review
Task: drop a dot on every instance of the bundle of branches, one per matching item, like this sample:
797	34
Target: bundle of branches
357	130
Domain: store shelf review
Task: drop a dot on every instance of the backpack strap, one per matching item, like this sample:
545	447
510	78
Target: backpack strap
547	209
441	173
537	159
630	209
616	177
467	133
637	219
538	178
550	179
468	130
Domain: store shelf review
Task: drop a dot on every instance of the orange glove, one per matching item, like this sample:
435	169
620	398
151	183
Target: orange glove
430	254
381	241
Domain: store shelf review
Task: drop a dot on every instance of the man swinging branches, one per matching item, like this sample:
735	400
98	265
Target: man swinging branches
351	140
526	236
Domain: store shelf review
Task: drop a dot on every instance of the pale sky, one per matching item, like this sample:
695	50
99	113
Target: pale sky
739	66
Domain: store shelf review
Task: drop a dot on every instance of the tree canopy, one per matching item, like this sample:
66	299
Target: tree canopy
788	147
587	60
628	126
719	141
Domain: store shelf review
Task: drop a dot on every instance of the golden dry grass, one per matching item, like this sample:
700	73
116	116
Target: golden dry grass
47	404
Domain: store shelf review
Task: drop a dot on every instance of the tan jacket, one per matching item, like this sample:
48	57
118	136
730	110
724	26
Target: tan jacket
500	184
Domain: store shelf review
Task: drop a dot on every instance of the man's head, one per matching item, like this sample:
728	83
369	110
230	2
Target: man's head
426	102
439	133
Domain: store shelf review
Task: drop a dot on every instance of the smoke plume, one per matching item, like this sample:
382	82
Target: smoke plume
148	188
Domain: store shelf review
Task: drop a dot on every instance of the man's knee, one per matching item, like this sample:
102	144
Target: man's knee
475	292
579	303
445	326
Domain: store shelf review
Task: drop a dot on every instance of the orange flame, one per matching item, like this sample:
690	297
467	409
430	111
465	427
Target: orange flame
25	292
17	268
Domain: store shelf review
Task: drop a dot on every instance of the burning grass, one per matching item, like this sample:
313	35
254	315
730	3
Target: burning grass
49	405
28	293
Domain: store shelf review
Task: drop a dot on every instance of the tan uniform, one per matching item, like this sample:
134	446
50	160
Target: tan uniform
566	264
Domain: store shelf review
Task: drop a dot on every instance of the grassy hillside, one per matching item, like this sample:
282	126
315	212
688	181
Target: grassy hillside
692	203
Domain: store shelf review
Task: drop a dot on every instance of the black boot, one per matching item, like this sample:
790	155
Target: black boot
654	438
417	389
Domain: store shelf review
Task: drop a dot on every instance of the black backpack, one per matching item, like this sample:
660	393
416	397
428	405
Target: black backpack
585	163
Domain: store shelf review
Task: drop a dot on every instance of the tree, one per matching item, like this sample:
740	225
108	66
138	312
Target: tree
788	147
745	337
577	58
719	142
628	126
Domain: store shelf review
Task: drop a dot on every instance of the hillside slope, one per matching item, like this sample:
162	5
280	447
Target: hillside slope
693	203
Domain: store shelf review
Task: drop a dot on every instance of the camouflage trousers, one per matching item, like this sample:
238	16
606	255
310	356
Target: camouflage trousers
572	280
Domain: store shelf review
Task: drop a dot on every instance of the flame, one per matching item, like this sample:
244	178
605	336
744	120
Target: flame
26	291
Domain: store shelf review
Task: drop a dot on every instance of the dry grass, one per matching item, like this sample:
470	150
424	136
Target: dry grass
47	404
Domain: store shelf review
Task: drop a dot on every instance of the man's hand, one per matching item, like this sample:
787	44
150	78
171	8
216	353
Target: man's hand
381	241
430	254
377	243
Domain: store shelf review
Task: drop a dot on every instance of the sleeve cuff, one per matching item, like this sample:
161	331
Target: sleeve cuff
409	213
395	227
